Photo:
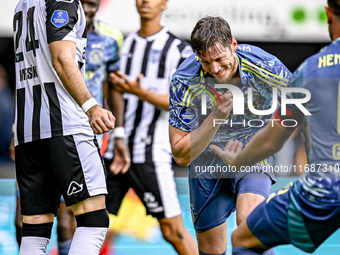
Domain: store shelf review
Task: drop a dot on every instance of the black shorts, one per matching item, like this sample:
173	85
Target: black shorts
153	183
68	165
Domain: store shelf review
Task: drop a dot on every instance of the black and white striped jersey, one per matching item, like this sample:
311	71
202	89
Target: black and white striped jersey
146	127
44	108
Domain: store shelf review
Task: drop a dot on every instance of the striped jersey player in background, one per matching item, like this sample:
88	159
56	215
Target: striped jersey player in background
103	48
307	211
56	116
220	60
148	60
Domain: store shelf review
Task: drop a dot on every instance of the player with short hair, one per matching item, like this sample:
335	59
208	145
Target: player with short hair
218	60
56	151
306	212
149	58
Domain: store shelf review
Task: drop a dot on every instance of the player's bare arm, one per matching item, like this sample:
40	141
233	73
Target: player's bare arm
63	54
122	159
188	146
128	86
265	143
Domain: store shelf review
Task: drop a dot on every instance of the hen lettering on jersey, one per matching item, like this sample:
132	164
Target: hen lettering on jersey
329	60
28	73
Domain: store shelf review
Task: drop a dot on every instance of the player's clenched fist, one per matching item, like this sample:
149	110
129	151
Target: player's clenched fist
101	120
221	111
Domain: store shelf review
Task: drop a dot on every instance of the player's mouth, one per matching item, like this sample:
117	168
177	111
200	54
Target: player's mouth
220	74
144	9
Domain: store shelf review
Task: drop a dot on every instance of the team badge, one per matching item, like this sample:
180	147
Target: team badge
187	115
155	56
59	18
96	57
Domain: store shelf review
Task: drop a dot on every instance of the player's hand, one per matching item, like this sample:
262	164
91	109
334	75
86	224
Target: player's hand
122	159
230	152
222	111
101	120
123	84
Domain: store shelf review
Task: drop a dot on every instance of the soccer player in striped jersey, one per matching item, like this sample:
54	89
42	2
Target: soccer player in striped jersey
306	212
104	44
219	59
55	119
149	58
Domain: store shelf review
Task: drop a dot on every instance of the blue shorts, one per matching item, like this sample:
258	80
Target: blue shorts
214	199
287	218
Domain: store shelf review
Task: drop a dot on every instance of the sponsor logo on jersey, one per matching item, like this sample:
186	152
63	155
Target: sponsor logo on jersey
336	151
147	140
74	188
151	203
187	115
59	18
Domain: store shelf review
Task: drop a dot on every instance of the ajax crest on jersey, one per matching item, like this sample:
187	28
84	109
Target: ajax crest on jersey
96	57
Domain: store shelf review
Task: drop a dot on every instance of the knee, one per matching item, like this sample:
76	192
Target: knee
234	239
66	224
172	233
240	217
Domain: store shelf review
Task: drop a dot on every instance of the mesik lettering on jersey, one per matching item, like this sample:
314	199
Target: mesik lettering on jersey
28	73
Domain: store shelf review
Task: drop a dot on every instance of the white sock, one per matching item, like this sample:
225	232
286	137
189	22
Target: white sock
87	241
33	245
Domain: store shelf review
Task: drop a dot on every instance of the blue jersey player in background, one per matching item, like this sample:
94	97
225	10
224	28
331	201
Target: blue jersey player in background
103	49
307	211
219	59
104	44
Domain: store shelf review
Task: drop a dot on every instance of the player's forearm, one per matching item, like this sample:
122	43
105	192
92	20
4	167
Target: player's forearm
117	105
190	146
161	101
265	143
73	81
69	74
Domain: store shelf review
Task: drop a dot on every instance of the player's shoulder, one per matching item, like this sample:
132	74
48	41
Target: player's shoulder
105	29
181	45
189	68
321	63
332	48
252	57
253	53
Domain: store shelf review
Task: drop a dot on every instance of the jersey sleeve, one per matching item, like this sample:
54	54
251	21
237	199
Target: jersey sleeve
183	114
61	20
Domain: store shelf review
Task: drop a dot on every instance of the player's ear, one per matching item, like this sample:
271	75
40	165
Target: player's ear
233	44
329	15
164	5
